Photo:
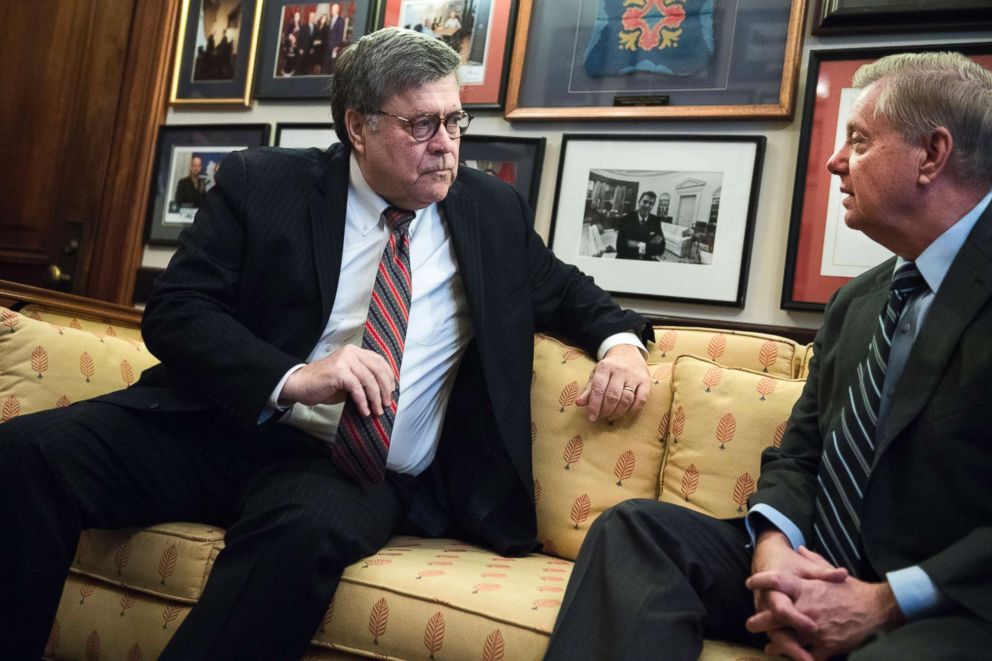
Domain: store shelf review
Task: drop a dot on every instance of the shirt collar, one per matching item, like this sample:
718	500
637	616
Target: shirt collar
369	205
936	260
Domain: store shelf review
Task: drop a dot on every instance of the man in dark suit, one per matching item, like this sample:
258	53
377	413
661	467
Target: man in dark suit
639	235
872	523
267	324
190	189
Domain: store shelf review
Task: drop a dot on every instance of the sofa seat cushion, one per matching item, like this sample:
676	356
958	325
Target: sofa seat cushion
722	419
756	351
171	560
46	364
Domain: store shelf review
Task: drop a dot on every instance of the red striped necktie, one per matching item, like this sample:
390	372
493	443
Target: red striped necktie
363	442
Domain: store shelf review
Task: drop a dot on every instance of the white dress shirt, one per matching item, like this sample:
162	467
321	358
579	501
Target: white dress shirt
438	330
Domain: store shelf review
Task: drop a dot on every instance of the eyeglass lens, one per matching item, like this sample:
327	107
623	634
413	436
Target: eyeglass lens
425	126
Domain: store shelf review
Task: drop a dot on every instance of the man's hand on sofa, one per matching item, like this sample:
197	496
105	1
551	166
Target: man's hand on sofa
351	370
844	612
619	384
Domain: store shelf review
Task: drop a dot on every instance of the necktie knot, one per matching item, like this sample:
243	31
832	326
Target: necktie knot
398	219
907	280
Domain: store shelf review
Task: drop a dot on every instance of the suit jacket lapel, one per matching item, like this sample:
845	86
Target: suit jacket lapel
461	214
966	288
328	205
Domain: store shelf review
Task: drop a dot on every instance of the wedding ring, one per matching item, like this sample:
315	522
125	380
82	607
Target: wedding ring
628	388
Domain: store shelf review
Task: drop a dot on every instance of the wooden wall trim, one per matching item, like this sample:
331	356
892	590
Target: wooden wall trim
118	235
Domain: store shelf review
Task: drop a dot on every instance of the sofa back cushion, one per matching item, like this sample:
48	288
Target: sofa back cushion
581	468
769	354
722	418
47	364
101	327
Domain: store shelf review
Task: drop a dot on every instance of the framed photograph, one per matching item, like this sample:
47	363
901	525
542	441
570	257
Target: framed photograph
834	17
517	161
186	161
823	253
662	217
644	59
301	42
302	136
481	32
215	52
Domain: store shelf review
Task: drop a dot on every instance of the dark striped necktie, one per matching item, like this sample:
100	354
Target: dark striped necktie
849	446
362	442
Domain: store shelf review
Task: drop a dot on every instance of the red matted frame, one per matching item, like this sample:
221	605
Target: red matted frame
804	288
490	93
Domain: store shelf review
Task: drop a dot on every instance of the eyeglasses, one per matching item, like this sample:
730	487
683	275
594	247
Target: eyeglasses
424	127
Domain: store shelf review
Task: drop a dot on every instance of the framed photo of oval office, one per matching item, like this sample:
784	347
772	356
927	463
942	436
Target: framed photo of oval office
822	252
645	59
215	53
301	41
666	217
481	31
187	159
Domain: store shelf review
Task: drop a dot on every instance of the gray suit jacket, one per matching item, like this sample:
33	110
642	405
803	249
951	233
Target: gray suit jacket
928	500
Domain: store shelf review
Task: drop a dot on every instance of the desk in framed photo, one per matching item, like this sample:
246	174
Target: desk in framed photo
643	59
659	216
823	253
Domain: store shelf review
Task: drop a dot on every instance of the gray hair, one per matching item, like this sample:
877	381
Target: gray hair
923	91
382	64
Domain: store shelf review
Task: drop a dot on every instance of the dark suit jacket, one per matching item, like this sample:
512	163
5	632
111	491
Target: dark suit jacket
928	500
252	285
631	229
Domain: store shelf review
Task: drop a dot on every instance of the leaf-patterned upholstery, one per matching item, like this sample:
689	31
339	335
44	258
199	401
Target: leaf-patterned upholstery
128	590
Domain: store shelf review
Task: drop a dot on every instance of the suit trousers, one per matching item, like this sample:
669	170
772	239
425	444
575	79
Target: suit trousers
293	520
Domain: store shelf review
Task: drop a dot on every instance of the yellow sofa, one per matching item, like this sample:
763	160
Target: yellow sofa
718	398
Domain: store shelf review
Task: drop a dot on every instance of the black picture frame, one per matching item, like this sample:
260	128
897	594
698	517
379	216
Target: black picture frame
706	191
840	17
301	135
175	149
309	74
822	254
211	70
518	161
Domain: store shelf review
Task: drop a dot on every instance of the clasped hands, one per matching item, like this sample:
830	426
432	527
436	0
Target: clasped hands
619	384
809	609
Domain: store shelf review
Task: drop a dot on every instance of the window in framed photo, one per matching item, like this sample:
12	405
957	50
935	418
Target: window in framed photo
303	136
661	217
639	59
301	42
215	53
823	253
187	159
479	30
517	161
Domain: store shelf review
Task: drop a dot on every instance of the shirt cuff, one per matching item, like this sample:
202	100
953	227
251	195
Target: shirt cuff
273	404
620	338
916	593
777	519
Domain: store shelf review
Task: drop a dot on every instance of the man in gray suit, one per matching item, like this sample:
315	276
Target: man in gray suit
872	523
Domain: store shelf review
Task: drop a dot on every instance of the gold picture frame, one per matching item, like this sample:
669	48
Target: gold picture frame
215	54
751	50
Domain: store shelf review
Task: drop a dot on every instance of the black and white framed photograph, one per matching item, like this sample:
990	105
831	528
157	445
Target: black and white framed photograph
303	136
301	42
215	53
663	217
517	161
187	159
